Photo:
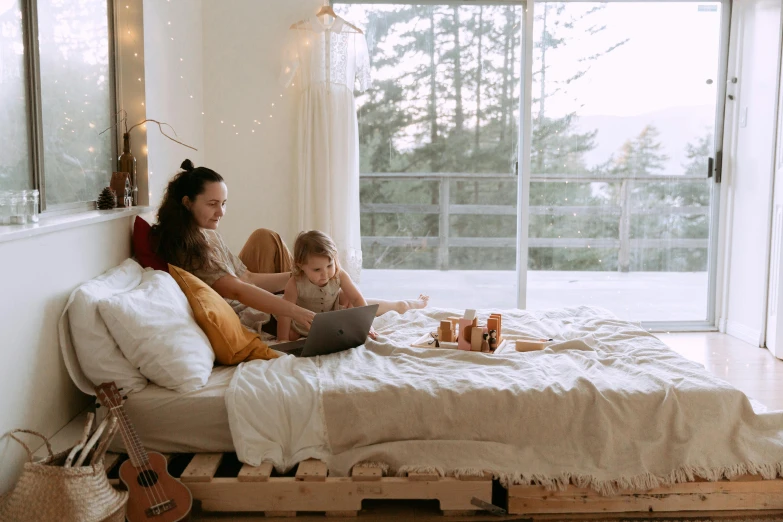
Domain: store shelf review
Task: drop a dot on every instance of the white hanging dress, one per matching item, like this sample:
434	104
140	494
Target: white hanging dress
323	62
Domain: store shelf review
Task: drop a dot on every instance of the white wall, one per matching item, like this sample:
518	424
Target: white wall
173	79
747	181
243	47
37	276
774	337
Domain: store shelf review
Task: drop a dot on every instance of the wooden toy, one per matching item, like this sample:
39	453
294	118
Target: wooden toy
477	338
485	342
466	325
531	345
492	340
463	336
446	332
493	323
499	326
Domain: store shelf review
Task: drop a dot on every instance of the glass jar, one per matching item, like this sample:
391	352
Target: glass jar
17	208
32	206
5	207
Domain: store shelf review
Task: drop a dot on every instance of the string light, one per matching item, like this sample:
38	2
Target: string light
191	96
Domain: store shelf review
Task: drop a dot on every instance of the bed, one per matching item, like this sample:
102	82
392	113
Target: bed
606	409
606	406
604	412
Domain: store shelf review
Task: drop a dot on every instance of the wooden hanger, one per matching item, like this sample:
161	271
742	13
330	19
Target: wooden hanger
326	10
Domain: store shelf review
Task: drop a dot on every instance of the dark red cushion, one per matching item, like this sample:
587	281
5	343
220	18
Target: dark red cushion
142	248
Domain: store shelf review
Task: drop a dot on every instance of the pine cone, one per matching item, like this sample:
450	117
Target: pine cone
107	200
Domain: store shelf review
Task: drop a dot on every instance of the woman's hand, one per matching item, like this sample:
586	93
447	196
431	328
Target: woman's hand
373	334
304	317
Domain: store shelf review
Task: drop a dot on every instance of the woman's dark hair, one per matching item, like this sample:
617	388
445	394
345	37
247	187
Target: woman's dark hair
176	236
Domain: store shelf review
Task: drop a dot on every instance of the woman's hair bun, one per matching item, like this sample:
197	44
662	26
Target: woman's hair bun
187	165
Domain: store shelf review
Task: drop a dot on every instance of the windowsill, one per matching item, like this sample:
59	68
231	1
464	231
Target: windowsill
66	221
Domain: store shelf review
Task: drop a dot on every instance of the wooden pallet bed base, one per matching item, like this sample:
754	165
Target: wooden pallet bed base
310	489
748	492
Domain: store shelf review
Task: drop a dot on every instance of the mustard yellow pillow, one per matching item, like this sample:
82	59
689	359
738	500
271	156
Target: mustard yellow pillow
232	342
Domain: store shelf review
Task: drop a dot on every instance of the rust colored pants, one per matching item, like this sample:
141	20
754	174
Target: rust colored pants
265	253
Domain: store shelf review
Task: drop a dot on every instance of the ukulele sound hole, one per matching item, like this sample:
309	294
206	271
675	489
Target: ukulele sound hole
147	478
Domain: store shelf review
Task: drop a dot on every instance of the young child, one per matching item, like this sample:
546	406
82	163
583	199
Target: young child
317	283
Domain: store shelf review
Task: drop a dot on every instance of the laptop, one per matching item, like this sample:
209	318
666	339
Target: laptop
333	332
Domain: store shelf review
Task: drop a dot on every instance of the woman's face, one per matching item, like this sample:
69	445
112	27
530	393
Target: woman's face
209	206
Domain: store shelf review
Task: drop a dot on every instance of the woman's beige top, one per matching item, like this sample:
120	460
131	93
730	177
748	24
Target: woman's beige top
226	263
316	298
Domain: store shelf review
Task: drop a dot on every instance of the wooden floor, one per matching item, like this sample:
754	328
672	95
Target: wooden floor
751	369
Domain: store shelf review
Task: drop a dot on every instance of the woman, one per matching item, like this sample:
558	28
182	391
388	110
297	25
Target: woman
186	236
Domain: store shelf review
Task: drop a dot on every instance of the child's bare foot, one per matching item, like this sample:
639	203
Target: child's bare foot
411	304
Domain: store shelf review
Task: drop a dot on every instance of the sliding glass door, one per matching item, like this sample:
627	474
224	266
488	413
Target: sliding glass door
610	196
624	103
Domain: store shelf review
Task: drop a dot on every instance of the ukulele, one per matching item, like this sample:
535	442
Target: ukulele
153	494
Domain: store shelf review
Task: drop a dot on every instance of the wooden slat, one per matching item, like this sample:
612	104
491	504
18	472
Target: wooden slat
341	513
746	478
422	476
366	474
109	460
689	496
334	493
485	476
311	470
286	514
255	473
202	468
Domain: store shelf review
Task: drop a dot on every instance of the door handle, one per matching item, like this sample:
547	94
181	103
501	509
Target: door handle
710	167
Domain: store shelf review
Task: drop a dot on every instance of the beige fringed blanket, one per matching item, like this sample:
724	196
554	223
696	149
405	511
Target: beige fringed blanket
607	406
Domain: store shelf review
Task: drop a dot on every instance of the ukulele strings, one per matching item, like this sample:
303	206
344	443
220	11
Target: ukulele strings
150	488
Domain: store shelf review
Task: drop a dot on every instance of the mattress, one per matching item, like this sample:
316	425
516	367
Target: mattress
173	422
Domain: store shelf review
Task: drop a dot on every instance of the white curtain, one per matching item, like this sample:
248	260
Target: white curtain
323	62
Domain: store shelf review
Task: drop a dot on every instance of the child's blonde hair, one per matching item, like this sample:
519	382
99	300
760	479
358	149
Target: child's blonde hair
313	243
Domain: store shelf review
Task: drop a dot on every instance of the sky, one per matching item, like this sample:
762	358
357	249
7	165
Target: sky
673	49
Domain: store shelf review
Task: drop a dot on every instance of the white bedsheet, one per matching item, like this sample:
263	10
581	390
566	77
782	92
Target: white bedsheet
174	422
607	405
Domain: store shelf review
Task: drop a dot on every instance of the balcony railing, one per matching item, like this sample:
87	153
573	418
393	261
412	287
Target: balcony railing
445	209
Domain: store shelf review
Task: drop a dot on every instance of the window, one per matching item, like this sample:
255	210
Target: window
58	149
15	171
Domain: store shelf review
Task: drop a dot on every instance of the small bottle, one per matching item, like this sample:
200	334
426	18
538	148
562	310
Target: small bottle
32	206
127	163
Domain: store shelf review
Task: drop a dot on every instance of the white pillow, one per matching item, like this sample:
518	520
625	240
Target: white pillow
90	353
156	330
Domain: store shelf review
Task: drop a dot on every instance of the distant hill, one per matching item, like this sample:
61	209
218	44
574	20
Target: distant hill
677	126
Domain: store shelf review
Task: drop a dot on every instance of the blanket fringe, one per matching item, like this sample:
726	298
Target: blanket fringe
642	482
373	464
404	470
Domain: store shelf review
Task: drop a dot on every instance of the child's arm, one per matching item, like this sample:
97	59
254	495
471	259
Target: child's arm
284	323
354	296
349	289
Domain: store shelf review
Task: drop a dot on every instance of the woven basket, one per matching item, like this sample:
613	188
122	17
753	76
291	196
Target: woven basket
47	491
